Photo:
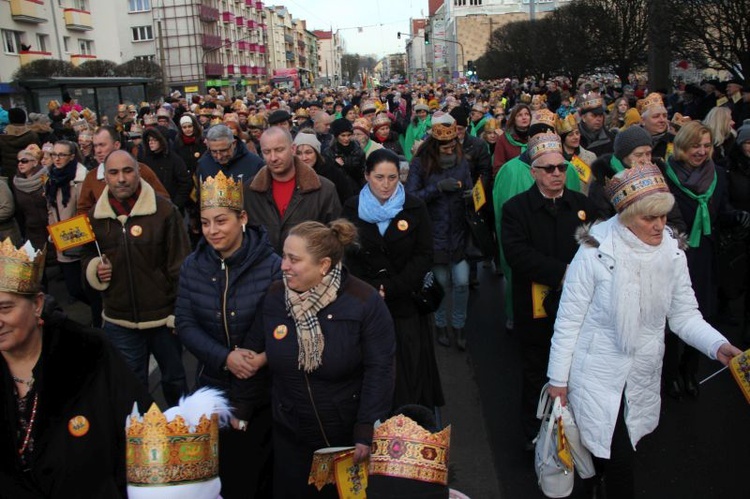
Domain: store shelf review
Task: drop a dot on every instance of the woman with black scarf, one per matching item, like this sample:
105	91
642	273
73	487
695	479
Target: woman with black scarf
62	190
345	153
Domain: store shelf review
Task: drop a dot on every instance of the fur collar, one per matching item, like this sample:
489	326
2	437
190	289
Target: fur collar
584	236
307	179
146	204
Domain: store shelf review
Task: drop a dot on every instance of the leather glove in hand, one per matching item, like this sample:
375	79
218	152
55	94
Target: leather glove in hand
449	184
743	219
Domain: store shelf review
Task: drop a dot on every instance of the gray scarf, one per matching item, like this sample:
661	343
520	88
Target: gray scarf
33	183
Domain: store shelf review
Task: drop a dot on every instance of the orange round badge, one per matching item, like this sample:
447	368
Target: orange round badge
78	426
280	332
136	230
582	215
402	225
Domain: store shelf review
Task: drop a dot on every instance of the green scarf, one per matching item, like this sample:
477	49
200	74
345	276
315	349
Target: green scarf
473	129
702	222
413	134
616	165
514	142
368	145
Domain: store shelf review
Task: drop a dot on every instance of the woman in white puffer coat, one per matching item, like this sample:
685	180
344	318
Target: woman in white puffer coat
626	280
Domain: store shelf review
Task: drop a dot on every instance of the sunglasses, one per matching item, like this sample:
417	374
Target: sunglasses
562	168
24	161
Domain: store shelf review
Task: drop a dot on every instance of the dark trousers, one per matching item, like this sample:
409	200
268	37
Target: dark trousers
291	468
245	457
534	357
616	474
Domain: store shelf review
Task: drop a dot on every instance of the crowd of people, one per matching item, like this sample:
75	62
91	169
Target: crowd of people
283	238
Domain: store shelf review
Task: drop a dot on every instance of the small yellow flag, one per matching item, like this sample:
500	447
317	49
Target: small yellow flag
71	233
582	169
740	368
477	193
538	293
351	479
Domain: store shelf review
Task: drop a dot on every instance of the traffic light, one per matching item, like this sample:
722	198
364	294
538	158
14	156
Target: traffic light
426	38
398	35
470	70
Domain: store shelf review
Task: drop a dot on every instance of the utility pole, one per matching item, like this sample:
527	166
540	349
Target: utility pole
162	59
659	53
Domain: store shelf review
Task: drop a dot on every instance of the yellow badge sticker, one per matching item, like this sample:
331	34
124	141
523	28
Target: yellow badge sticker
402	225
136	230
280	332
582	169
78	426
538	293
582	215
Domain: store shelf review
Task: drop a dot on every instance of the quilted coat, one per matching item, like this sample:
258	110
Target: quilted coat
585	355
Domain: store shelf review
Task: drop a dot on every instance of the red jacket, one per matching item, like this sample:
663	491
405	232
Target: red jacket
504	152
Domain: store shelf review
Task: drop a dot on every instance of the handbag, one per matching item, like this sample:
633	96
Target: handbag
565	451
429	298
480	244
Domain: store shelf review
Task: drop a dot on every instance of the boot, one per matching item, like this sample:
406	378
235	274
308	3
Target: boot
460	338
442	336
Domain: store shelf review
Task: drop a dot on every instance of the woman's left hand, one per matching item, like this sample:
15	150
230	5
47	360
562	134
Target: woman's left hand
361	453
727	352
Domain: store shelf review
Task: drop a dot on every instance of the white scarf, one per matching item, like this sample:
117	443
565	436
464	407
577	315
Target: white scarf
640	287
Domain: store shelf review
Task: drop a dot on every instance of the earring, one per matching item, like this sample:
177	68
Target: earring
243	227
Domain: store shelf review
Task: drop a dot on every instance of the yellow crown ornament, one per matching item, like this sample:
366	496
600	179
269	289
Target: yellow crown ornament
21	268
633	184
403	449
543	117
565	125
179	446
221	192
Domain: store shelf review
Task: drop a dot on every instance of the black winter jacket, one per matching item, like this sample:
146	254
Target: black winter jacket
170	169
354	160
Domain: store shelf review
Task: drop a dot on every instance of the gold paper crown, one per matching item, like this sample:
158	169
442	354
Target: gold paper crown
169	453
650	103
403	449
256	121
565	125
421	104
525	98
302	113
444	132
593	101
381	119
21	268
362	124
538	100
544	143
221	192
132	108
491	125
543	117
633	184
52	105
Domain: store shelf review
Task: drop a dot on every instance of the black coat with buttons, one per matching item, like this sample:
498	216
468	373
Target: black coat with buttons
399	259
337	403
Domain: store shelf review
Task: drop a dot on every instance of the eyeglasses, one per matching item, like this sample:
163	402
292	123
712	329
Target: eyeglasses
55	155
24	161
562	168
216	152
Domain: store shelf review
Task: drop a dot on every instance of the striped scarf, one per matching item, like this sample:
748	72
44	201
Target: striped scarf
304	308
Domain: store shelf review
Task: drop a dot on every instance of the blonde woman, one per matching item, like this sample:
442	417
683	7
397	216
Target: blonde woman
719	121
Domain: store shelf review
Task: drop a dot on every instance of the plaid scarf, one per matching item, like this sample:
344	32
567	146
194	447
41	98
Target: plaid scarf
304	308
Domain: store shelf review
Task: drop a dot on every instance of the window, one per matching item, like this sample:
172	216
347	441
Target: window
11	41
145	57
81	5
42	42
139	5
86	47
142	33
66	44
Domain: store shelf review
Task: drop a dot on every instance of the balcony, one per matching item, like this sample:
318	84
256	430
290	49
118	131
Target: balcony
244	69
302	60
27	56
78	20
289	56
243	45
211	41
262	49
301	44
240	21
208	14
251	24
262	26
28	11
288	39
213	69
232	69
258	5
227	17
78	59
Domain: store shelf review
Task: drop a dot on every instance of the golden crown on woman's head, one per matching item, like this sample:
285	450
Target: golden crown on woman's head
21	268
567	124
221	192
633	184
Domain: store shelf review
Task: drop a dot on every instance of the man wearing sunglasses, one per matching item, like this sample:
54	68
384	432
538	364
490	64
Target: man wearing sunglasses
538	238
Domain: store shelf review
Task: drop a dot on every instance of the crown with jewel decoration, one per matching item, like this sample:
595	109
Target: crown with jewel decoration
633	184
221	192
543	117
651	103
403	449
21	268
544	143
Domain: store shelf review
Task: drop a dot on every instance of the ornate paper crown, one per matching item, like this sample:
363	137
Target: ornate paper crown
170	453
633	184
566	125
21	268
381	119
444	129
362	124
543	116
538	100
525	98
593	101
544	143
221	192
403	449
256	121
52	105
651	102
491	125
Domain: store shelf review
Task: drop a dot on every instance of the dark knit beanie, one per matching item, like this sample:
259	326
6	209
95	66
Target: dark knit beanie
629	139
340	126
743	133
460	115
16	116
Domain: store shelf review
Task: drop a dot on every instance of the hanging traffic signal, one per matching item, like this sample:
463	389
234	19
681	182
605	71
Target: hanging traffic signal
470	71
426	39
398	35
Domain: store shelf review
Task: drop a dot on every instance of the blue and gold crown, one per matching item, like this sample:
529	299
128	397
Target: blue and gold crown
221	192
633	184
21	268
544	143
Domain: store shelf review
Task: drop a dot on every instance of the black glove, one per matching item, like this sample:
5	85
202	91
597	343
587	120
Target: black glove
742	218
449	184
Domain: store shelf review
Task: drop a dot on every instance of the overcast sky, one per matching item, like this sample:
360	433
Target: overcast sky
380	21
